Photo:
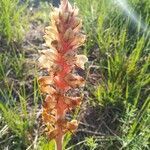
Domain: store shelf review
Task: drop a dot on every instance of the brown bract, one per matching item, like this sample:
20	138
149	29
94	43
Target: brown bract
62	37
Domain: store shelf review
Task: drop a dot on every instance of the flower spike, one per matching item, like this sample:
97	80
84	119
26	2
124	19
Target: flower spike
63	37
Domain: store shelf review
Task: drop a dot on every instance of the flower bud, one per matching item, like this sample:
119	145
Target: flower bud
72	125
69	34
77	22
65	17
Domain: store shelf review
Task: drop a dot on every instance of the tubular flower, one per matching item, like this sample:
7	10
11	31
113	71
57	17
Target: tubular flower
63	37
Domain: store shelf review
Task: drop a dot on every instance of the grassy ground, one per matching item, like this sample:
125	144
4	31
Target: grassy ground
115	113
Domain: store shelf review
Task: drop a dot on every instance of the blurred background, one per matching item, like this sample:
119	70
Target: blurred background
115	112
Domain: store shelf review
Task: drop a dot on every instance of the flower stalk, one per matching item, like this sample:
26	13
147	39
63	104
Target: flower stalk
63	37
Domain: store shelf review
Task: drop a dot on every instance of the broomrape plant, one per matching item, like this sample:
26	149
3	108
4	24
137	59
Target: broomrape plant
63	37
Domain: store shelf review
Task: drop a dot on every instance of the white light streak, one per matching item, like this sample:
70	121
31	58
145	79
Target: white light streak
134	17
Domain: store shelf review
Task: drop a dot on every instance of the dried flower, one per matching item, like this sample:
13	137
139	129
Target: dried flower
63	37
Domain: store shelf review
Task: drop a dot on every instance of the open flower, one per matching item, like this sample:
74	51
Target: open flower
62	37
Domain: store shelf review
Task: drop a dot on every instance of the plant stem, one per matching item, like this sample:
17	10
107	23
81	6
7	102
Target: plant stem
60	115
59	142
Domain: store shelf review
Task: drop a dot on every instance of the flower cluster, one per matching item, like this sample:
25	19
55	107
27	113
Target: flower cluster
63	37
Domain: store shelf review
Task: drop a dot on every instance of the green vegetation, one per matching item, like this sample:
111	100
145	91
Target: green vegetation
13	21
117	113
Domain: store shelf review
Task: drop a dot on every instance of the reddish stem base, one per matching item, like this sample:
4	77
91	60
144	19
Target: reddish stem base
59	142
